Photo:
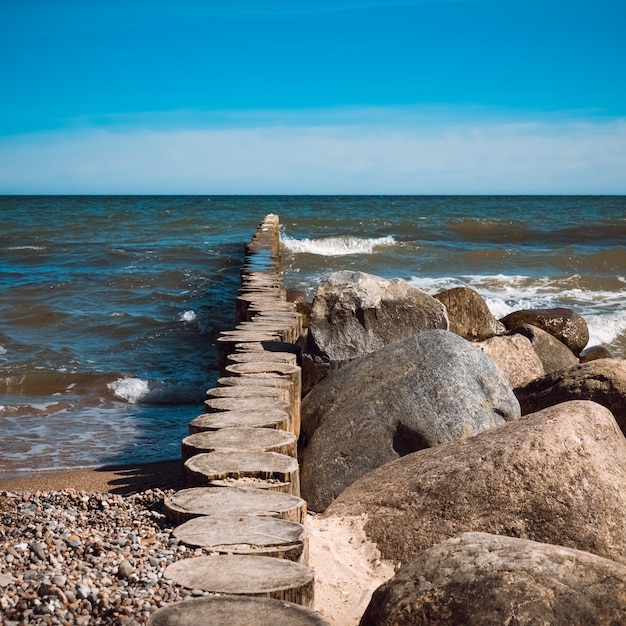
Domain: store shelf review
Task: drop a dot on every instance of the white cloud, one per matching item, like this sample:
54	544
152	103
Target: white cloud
421	156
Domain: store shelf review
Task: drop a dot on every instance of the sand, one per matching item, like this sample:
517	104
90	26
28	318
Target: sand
347	567
120	479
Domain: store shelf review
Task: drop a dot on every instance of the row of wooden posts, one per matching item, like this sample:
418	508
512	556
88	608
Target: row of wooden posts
242	501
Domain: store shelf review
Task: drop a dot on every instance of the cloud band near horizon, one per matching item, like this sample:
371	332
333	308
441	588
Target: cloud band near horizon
429	157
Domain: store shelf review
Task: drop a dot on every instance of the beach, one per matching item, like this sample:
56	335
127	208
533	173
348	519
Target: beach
347	566
93	542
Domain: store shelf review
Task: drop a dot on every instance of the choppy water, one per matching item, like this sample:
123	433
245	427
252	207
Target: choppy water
110	306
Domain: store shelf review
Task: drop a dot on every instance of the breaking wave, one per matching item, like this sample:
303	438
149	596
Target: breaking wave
336	246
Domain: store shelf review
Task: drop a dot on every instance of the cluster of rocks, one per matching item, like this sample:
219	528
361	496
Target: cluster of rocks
487	455
71	557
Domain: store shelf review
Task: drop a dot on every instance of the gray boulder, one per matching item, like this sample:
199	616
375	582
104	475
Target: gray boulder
564	324
602	380
354	313
478	578
421	391
469	314
557	476
553	354
515	356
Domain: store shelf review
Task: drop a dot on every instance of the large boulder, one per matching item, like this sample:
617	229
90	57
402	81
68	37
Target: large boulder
515	356
553	354
564	324
354	313
557	476
469	314
602	380
478	578
421	391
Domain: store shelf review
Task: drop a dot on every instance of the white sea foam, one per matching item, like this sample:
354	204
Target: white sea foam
187	316
605	328
31	408
27	248
336	246
603	311
43	406
132	390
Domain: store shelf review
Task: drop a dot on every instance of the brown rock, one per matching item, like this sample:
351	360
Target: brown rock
557	476
594	353
553	354
469	314
303	306
564	324
477	578
603	381
515	356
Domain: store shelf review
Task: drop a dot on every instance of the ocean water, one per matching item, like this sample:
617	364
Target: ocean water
110	305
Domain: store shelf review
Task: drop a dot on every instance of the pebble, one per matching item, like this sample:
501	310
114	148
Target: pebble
125	569
72	558
38	550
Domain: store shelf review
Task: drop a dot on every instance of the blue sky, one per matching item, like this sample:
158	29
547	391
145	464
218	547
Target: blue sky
313	96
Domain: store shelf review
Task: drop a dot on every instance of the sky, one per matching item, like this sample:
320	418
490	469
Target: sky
312	97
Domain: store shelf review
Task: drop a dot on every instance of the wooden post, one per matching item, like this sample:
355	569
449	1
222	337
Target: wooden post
254	403
227	341
246	575
203	469
196	501
226	610
255	535
259	370
269	418
242	438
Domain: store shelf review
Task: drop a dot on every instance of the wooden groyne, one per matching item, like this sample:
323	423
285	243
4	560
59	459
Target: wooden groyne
242	502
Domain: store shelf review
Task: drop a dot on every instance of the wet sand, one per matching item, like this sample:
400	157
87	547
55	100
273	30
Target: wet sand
122	479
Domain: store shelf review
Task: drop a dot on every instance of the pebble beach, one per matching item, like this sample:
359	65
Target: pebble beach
86	554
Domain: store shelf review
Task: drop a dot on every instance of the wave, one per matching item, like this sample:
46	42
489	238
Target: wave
610	233
165	392
49	383
46	391
187	316
599	301
27	247
132	390
335	246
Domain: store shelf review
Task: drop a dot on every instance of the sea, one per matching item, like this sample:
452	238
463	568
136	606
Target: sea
110	305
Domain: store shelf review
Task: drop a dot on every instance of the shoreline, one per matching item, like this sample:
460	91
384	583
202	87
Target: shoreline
118	479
